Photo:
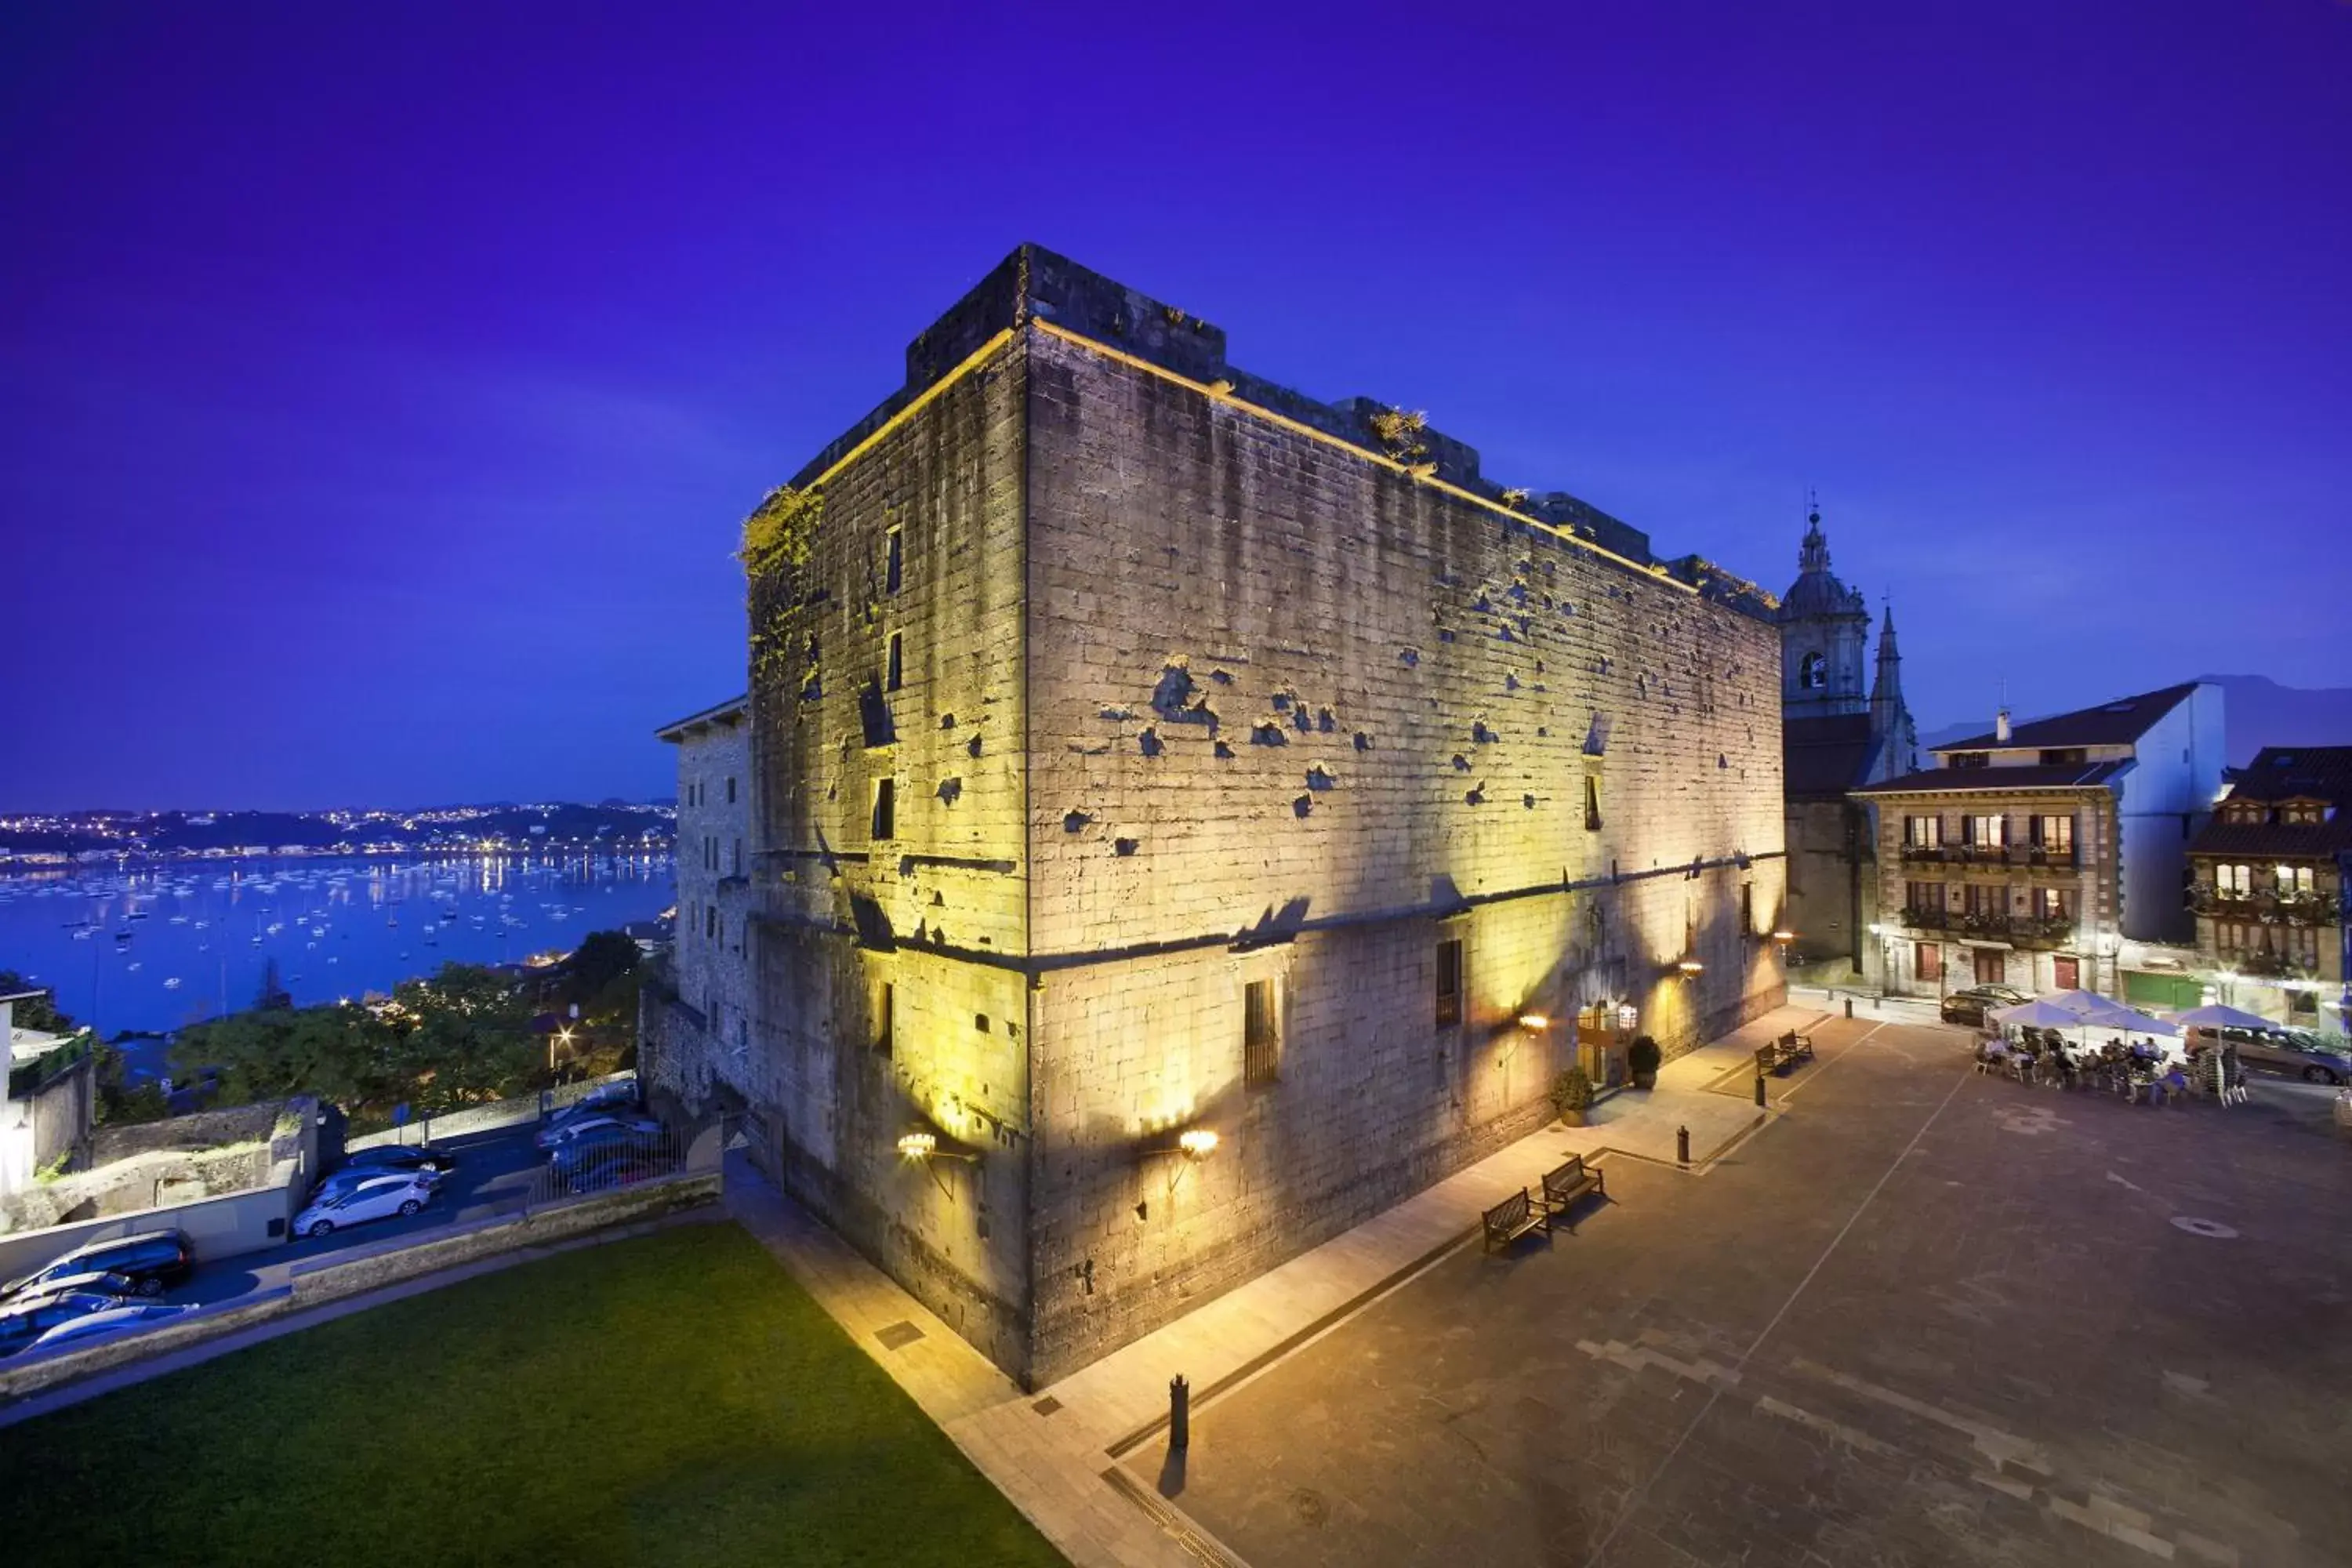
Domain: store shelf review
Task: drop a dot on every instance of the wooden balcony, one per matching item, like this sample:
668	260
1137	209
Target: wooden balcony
2266	905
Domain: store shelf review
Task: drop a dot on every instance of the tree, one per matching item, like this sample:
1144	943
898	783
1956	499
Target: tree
37	1013
273	997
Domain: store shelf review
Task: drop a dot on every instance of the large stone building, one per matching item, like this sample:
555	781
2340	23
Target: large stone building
2051	855
1145	750
2273	872
1835	737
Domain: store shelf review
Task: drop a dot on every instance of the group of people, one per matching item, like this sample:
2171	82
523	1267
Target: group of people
2132	1068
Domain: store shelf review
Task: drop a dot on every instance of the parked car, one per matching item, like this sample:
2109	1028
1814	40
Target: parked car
151	1260
376	1197
26	1320
2312	1058
96	1283
385	1158
114	1321
611	1165
1970	1007
555	1138
621	1094
334	1183
591	1109
596	1143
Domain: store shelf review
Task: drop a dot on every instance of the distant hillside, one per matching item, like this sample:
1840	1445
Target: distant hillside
2258	711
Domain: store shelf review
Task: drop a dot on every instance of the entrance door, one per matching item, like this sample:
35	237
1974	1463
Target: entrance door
1993	965
2067	972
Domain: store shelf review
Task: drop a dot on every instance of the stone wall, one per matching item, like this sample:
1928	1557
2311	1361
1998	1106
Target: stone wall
1183	684
1279	686
890	996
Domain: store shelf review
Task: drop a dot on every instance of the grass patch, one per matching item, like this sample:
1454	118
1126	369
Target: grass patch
674	1398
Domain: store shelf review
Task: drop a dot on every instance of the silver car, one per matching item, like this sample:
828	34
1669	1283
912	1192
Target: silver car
2315	1059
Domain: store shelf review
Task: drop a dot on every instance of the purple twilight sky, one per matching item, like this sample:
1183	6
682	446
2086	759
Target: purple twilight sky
380	385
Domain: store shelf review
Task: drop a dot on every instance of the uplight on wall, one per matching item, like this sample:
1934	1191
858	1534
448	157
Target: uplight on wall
1197	1142
919	1145
1690	968
1534	1023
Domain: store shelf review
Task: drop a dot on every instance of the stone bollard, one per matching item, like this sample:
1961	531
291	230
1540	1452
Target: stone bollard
1180	1412
1682	1134
1849	1006
1759	1091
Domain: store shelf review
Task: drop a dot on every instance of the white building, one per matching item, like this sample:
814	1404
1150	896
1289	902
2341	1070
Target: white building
51	1097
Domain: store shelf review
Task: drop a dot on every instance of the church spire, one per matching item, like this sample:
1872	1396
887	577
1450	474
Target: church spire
1889	719
1814	555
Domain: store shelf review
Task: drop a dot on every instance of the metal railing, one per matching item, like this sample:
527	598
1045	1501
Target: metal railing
2268	905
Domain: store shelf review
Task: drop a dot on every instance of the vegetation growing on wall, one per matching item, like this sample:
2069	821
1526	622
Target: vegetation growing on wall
1400	433
778	538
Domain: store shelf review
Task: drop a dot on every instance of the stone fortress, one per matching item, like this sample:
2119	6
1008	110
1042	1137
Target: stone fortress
1141	752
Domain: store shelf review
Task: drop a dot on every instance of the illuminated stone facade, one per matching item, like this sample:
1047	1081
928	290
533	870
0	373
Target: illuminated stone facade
1133	742
694	1024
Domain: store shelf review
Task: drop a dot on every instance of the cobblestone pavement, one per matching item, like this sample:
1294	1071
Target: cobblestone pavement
1925	1317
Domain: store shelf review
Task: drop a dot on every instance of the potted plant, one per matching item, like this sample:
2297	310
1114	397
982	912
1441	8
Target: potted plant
1642	1060
1571	1093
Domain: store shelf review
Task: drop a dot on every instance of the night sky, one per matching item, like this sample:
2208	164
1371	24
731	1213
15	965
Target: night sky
380	385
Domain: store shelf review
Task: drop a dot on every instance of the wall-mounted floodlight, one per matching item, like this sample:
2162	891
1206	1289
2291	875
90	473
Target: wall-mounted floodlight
924	1146
1534	1023
1197	1143
1784	937
1690	968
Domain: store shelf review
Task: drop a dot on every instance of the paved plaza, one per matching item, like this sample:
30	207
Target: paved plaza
1919	1317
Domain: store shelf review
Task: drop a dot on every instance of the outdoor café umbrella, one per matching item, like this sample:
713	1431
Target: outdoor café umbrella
2038	1014
2218	1015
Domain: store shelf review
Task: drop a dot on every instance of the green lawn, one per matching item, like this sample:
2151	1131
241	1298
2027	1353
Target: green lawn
674	1398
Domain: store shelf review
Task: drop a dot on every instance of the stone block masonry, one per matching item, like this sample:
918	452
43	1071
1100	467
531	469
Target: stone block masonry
1156	749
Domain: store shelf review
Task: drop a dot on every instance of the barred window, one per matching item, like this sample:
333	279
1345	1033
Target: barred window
1449	983
1261	1037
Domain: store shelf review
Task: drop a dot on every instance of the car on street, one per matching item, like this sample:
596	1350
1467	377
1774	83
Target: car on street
1970	1007
2312	1058
555	1138
96	1283
114	1321
377	1197
24	1322
602	1143
589	1110
387	1158
151	1260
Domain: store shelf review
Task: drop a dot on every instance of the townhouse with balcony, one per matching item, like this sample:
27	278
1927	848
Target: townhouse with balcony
2270	887
2049	856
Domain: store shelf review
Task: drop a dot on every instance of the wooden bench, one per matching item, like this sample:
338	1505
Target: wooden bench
1797	1047
1512	1219
1565	1184
1778	1055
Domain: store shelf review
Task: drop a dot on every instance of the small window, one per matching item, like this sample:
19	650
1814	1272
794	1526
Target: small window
1987	832
730	789
1970	760
1813	673
894	563
2234	881
1449	984
1924	832
711	921
898	662
1591	804
1747	908
885	1017
738	858
886	808
980	1022
2063	756
1261	1040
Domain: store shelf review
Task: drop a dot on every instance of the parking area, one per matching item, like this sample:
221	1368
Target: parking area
1928	1317
495	1173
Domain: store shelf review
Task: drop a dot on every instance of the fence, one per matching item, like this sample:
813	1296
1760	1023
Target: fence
484	1118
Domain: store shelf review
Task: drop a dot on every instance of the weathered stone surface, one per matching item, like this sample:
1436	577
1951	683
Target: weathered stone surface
1198	684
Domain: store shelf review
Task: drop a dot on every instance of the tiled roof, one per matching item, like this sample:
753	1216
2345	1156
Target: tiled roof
2286	773
734	710
1824	756
2108	724
2072	775
2292	772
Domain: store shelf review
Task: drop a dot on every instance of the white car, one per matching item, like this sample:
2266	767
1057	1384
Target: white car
377	1197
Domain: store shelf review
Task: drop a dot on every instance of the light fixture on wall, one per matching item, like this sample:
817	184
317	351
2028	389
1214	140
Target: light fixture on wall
1784	937
1197	1142
1534	1023
925	1146
1690	968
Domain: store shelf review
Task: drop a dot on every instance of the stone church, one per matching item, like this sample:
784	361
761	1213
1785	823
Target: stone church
1836	735
1189	817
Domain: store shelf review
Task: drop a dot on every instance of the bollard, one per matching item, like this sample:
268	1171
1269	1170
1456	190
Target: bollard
1180	1412
1682	1134
1849	1006
1759	1090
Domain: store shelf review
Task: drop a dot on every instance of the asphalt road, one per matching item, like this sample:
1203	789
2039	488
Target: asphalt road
495	1173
